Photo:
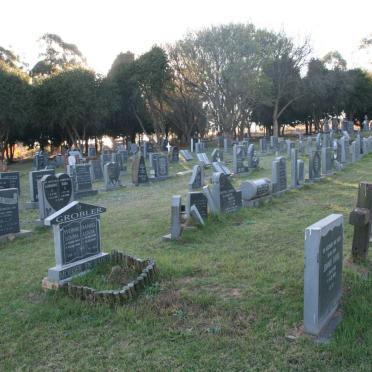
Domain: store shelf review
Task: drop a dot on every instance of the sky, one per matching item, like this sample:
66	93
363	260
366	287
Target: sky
103	29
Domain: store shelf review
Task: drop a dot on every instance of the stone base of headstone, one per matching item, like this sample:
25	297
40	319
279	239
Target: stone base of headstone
82	194
10	237
256	202
324	337
50	285
279	193
40	223
32	205
58	273
105	189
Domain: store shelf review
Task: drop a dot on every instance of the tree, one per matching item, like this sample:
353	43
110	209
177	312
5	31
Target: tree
282	69
57	56
14	107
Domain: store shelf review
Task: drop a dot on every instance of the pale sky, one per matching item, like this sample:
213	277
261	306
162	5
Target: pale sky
103	29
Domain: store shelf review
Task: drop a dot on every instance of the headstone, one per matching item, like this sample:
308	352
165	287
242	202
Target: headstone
55	192
263	145
219	166
334	124
327	161
139	173
301	171
318	141
105	158
124	155
77	240
176	228
9	215
315	165
92	152
160	167
116	158
361	218
220	141
196	216
226	198
199	200
96	170
81	180
199	147
253	161
111	176
274	143
133	149
203	158
294	173
197	177
290	145
323	272
308	145
186	155
301	147
279	174
10	180
254	189
227	145
240	159
174	155
217	155
40	160
33	177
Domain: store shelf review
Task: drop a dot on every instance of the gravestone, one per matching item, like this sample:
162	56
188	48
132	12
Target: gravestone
279	174
96	170
116	158
133	149
77	240
174	155
81	180
160	167
327	161
263	145
301	147
240	159
105	158
40	160
186	155
92	152
176	227
199	147
124	155
318	141
10	180
220	141
9	215
361	218
33	177
290	145
111	176
203	159
294	173
274	143
199	200
139	173
323	272
300	171
226	198
254	189
227	145
196	216
197	177
55	192
219	166
315	166
253	161
217	155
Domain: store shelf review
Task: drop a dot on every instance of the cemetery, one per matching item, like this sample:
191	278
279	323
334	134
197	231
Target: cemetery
210	217
203	206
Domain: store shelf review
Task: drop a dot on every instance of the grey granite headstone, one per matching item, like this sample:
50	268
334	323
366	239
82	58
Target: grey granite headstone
9	215
33	177
253	160
315	165
254	189
176	228
186	155
219	166
279	174
301	171
226	198
217	155
111	175
323	272
240	159
327	161
199	200
77	240
197	177
294	173
96	170
194	213
55	192
203	158
10	180
81	180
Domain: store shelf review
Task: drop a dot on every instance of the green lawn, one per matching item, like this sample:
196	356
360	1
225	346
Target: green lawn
228	297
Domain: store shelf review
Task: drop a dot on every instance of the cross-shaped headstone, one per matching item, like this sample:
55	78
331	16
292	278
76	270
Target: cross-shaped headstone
169	147
361	218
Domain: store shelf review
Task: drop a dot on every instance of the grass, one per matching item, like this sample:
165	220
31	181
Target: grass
229	296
